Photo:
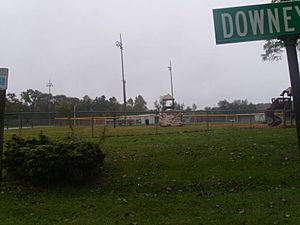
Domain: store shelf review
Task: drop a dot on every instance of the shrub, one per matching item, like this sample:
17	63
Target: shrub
42	161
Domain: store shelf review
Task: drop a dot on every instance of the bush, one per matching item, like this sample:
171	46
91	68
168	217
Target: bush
42	161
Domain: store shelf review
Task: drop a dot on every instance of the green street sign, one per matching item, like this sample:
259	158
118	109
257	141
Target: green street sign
256	22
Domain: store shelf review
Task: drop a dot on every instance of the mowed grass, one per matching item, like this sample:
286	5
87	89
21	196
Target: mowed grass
221	176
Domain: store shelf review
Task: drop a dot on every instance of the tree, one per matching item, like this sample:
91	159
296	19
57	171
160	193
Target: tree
188	109
178	106
36	101
58	98
85	104
224	105
194	107
63	109
114	105
273	48
235	106
157	105
130	104
140	105
100	103
12	104
31	98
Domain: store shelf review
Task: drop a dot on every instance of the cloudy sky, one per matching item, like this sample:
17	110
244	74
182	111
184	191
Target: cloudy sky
72	43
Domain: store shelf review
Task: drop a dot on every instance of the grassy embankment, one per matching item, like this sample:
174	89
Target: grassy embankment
223	176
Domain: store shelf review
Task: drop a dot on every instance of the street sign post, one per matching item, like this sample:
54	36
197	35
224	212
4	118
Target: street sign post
3	87
256	22
261	22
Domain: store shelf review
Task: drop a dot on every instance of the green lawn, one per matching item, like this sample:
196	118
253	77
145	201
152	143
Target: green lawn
223	176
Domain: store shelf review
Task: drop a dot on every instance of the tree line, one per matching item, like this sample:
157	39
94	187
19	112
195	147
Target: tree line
62	105
237	106
37	101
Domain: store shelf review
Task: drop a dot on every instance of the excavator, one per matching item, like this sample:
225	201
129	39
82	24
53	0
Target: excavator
281	103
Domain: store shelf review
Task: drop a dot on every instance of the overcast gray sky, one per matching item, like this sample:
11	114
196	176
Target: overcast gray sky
72	43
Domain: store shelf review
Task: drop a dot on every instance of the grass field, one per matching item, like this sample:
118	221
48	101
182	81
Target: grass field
222	176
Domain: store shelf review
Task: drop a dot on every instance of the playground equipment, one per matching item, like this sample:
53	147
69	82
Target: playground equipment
168	116
281	103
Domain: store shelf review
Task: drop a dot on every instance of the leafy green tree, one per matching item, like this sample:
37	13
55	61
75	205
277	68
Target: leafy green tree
188	109
194	107
224	105
114	105
63	109
130	104
273	48
178	106
42	102
158	105
12	104
31	98
140	105
58	98
100	104
36	101
235	106
85	104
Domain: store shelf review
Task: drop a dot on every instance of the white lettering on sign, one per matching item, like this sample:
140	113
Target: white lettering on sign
257	21
286	18
298	10
273	20
241	15
227	32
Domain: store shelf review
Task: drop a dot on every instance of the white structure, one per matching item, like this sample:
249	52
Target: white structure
147	119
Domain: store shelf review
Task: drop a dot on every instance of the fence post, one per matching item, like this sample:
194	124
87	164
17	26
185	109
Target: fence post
284	117
114	121
20	124
291	116
32	121
93	127
207	121
156	123
251	120
7	122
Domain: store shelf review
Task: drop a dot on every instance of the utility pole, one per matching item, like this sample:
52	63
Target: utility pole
119	44
49	85
171	77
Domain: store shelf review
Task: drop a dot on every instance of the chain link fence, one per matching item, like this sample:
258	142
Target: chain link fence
106	124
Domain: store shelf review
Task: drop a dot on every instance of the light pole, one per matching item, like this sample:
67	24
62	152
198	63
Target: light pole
119	44
171	77
49	85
